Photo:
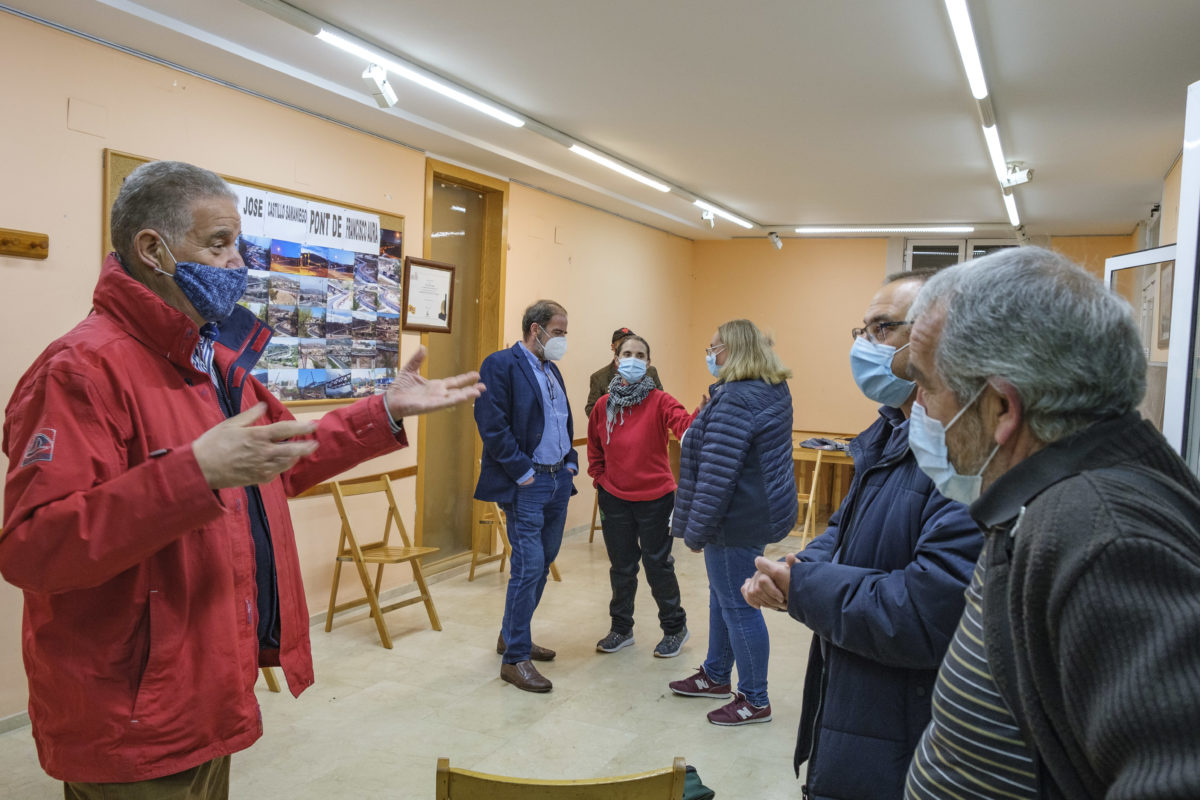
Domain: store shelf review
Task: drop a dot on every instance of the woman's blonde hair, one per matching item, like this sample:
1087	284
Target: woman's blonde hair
750	355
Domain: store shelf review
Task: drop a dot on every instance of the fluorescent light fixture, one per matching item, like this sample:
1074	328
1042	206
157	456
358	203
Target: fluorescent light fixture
418	77
1010	205
991	135
618	167
841	230
964	37
720	212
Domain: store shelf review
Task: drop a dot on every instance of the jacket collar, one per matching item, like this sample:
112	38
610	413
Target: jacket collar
1112	441
144	315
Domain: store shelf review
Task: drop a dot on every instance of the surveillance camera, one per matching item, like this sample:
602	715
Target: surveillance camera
776	240
1016	176
375	77
709	217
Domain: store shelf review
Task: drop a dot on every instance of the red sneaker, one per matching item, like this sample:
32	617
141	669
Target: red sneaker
700	685
740	712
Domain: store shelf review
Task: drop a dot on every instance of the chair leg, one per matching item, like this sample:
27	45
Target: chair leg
595	510
373	600
554	571
337	575
419	577
272	682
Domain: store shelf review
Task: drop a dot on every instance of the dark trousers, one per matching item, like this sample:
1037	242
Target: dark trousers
209	781
633	530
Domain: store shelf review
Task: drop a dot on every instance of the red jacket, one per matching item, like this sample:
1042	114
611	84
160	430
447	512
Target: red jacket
633	465
139	632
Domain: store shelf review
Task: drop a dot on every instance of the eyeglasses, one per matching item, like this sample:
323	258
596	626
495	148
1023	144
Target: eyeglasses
713	350
878	330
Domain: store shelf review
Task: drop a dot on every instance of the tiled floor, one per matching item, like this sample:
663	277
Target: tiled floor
376	721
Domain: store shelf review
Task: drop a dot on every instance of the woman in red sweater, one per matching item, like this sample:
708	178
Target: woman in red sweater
627	459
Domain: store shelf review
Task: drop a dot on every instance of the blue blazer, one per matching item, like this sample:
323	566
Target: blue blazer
510	418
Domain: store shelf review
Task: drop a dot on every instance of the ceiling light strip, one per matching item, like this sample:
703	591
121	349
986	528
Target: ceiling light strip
616	166
720	212
410	72
816	230
1010	205
968	50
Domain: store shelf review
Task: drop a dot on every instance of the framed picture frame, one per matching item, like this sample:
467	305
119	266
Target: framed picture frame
428	296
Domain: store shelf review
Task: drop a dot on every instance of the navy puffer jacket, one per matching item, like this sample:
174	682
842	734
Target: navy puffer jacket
882	590
737	486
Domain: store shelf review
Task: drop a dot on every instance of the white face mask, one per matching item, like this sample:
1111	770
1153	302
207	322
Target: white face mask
927	438
554	348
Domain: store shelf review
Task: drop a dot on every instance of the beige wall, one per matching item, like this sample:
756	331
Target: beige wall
808	296
1091	251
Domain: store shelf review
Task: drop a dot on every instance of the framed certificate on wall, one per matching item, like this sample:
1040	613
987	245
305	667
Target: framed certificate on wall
428	295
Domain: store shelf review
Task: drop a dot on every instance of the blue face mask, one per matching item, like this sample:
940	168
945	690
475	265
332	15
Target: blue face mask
632	369
871	364
927	438
711	361
212	291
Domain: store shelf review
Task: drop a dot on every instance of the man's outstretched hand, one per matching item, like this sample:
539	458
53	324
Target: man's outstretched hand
411	394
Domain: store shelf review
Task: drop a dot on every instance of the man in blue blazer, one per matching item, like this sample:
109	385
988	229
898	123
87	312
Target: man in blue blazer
528	468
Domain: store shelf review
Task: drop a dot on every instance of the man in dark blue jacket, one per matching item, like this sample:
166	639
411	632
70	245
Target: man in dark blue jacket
528	465
882	588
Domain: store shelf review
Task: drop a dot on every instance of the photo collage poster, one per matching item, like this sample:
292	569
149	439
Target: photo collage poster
328	281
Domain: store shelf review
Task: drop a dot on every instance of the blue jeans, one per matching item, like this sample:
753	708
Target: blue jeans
737	633
535	528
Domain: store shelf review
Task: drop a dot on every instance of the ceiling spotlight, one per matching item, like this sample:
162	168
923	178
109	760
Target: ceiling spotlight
1016	175
709	217
776	240
375	77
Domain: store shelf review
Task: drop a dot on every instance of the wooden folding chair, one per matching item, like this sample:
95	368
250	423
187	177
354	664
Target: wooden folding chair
494	515
810	500
462	784
379	553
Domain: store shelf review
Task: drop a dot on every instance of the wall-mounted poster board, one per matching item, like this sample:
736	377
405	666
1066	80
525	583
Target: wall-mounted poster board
326	276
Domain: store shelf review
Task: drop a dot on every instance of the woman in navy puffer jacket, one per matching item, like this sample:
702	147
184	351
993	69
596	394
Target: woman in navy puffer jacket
737	493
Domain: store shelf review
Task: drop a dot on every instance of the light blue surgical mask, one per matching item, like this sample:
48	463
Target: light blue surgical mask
871	364
632	369
711	361
927	438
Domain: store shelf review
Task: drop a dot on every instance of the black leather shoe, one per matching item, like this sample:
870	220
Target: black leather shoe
537	653
525	676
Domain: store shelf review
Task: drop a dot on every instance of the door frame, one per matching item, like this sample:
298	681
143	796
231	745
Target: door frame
490	308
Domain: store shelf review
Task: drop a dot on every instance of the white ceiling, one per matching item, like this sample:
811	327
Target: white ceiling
787	112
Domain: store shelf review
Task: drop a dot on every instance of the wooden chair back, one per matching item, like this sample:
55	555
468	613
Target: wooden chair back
658	784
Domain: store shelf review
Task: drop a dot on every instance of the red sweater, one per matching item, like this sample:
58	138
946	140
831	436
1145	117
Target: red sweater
634	465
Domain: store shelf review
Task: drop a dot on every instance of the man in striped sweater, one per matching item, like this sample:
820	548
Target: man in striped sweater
1074	672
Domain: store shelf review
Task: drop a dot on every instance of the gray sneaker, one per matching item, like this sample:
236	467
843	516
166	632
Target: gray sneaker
614	642
671	644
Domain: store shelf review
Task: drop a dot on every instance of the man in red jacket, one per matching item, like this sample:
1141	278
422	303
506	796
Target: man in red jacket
146	512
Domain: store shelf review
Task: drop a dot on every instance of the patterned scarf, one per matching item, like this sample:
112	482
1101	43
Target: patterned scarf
622	395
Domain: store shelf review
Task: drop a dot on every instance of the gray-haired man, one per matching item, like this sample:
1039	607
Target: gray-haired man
1075	670
145	508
